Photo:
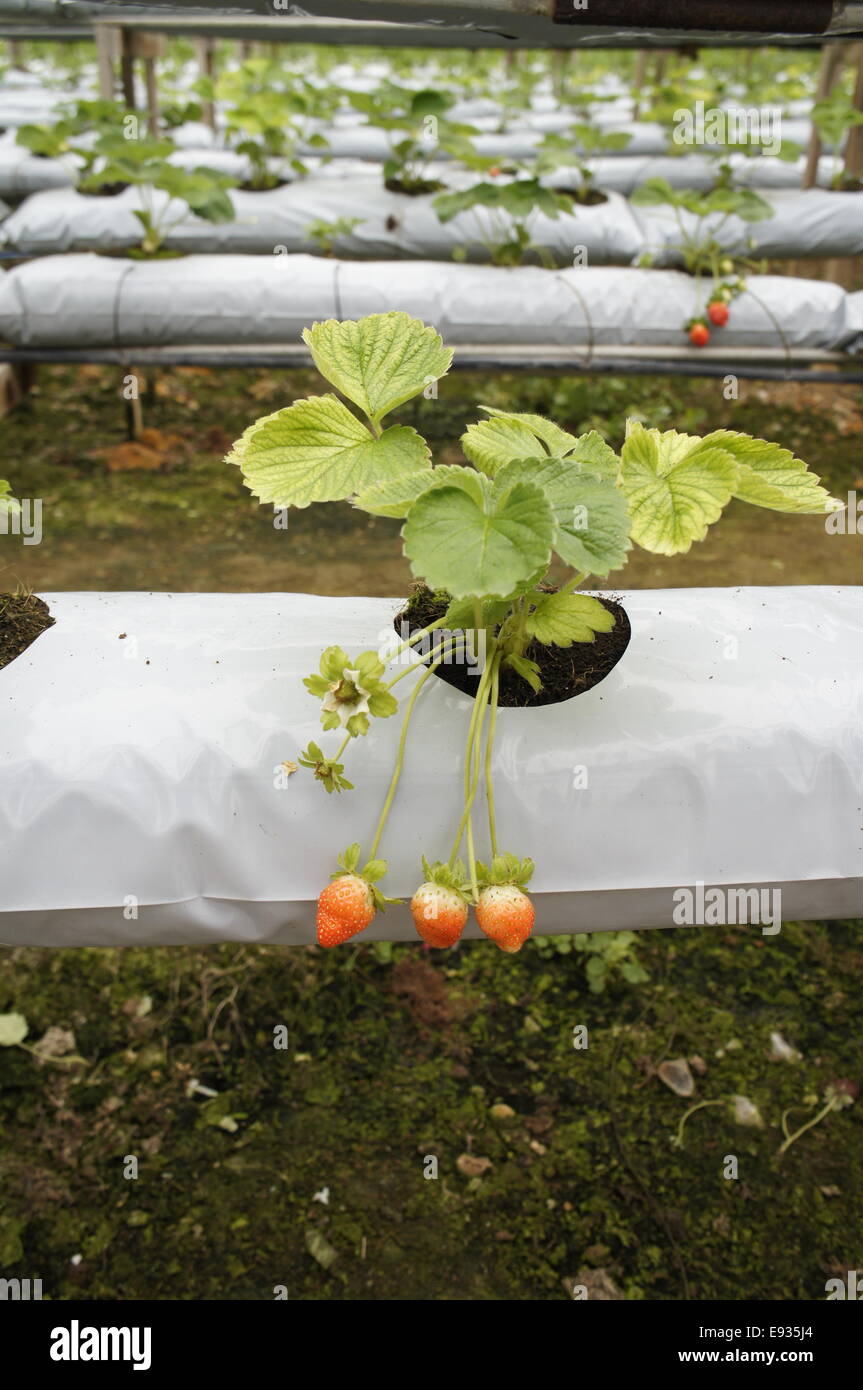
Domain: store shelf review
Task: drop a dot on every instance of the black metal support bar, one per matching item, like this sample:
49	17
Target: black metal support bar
534	361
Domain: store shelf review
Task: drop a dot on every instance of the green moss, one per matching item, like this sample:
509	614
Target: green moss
390	1063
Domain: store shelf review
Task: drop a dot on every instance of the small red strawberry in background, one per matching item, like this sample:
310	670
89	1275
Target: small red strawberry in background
699	333
439	906
493	173
717	312
348	905
504	911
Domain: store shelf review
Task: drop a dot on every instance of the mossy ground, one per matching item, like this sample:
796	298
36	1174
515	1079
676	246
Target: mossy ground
396	1055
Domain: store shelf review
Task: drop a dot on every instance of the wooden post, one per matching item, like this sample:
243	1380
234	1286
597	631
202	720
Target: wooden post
840	269
106	49
831	65
558	68
16	380
661	61
16	55
152	97
854	146
207	67
639	81
127	68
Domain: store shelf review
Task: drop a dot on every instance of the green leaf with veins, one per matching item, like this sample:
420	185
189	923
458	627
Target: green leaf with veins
561	619
380	361
316	450
597	456
770	476
506	436
483	542
676	486
591	513
396	496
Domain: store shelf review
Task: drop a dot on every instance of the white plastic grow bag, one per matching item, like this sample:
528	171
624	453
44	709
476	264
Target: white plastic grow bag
813	222
390	224
142	800
90	300
806	222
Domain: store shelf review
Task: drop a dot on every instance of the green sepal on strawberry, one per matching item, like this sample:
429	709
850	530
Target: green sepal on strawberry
439	906
504	911
351	901
371	872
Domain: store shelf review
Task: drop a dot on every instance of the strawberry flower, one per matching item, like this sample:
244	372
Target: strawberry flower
351	691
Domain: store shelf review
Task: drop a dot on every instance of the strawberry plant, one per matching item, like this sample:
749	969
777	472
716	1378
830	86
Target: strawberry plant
325	233
700	218
481	535
419	129
145	164
503	216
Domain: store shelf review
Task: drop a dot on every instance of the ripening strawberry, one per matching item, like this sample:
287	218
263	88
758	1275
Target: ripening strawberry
506	916
345	907
717	312
699	334
439	914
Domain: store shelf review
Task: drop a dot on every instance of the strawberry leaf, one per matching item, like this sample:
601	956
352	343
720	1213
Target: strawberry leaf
380	361
481	541
676	486
316	450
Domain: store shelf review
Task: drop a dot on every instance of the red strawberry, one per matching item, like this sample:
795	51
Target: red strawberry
717	312
506	916
493	173
504	911
439	906
345	907
699	333
439	914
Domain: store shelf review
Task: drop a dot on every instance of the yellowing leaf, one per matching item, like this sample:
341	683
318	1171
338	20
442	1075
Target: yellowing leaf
561	619
676	485
380	361
317	451
770	476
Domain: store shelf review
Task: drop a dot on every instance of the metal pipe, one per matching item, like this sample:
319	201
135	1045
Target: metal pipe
770	365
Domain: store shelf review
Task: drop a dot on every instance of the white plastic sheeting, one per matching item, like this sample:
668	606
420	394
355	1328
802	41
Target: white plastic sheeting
141	801
89	300
806	222
813	222
390	224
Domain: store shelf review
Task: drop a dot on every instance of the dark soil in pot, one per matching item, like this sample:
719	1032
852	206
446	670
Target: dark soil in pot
104	190
414	190
591	199
250	187
565	671
23	617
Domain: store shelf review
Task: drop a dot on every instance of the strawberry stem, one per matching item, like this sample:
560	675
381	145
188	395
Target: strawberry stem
472	757
443	654
489	749
415	637
397	771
